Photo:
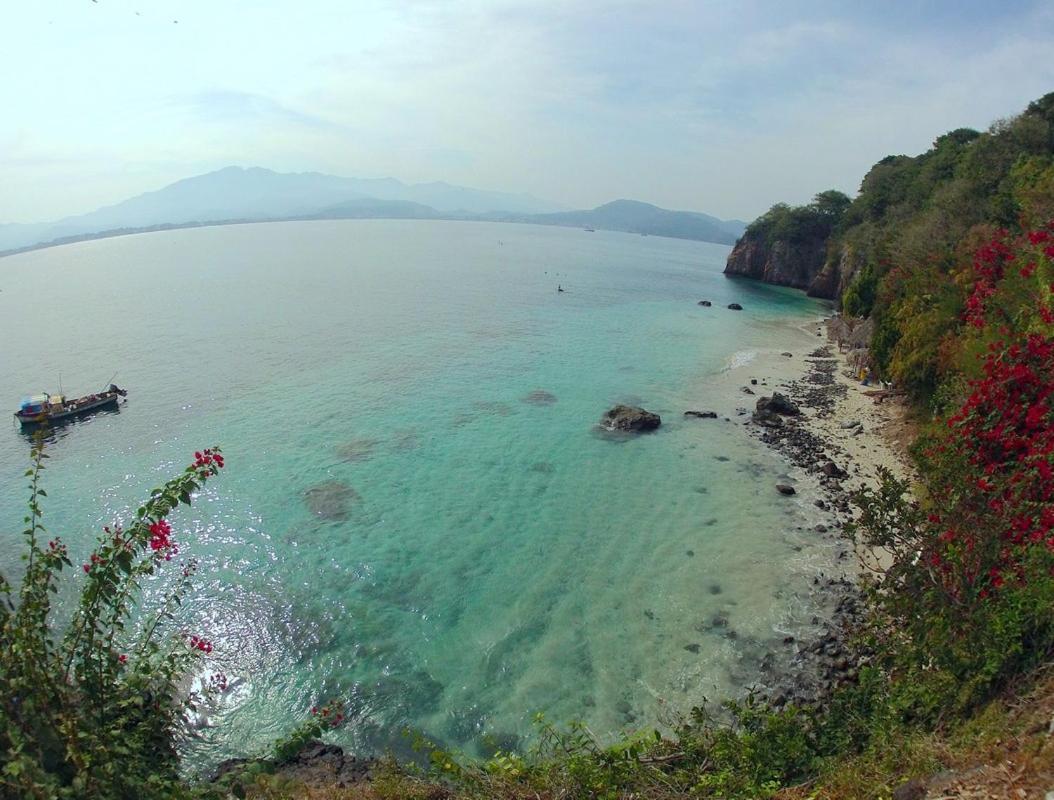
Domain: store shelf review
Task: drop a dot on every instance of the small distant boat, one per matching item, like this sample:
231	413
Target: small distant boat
43	408
589	230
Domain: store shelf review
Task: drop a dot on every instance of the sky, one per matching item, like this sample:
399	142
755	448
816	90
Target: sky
722	107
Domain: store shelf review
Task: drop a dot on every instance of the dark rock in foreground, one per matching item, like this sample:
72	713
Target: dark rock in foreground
832	470
778	404
701	414
317	764
629	419
783	488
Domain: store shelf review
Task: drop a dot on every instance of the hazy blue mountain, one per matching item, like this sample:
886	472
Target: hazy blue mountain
634	216
235	193
372	208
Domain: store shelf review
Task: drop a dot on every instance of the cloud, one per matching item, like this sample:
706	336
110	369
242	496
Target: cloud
236	107
720	107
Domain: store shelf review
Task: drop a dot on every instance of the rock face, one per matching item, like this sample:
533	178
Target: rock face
784	263
629	419
317	764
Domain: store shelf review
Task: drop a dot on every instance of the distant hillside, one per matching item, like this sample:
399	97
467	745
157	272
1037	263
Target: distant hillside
235	193
633	216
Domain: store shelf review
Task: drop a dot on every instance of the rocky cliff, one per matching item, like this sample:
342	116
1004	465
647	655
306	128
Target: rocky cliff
797	263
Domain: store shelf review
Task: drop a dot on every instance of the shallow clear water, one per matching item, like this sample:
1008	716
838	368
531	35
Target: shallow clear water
494	555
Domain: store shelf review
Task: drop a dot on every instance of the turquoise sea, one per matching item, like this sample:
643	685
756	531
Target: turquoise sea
418	513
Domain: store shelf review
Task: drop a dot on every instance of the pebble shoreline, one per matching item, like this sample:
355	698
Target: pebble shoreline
825	660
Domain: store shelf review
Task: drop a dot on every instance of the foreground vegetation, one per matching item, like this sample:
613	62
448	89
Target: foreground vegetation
959	275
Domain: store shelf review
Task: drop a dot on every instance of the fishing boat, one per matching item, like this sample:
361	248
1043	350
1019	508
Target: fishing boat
47	408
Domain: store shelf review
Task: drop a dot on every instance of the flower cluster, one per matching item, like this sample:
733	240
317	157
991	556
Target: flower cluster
996	500
161	539
989	266
331	715
96	559
209	461
57	552
198	643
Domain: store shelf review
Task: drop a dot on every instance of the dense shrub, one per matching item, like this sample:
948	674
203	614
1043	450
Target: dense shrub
95	711
971	587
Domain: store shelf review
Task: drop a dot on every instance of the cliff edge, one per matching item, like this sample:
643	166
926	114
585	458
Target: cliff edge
788	246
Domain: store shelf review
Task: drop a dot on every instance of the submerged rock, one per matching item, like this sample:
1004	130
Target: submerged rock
494	407
357	449
705	303
330	500
701	414
630	419
539	398
735	306
783	488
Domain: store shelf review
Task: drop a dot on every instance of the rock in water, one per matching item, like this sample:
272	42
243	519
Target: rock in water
357	449
629	419
329	500
783	488
705	303
735	306
778	404
540	397
701	414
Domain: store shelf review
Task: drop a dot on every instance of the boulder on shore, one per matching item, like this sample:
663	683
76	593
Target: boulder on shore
701	414
768	419
629	419
735	306
778	404
832	470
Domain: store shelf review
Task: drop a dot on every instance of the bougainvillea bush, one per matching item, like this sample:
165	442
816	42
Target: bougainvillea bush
970	590
92	710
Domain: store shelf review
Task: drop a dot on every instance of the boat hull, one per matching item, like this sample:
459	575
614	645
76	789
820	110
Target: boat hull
109	400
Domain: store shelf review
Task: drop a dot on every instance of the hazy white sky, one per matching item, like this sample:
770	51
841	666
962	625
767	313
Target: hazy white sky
714	106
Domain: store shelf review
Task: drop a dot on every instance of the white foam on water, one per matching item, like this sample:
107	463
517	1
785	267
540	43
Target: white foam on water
740	359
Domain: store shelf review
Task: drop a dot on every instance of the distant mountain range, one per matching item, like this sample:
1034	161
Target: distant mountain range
634	216
235	194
